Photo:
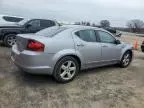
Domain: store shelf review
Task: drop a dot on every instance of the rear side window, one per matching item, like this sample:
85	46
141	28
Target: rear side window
87	35
47	23
51	31
12	19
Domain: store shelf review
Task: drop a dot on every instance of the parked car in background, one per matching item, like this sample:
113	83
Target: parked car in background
7	19
113	31
62	51
142	46
8	32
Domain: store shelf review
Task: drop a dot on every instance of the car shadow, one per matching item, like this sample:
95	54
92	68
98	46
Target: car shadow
37	79
2	44
97	70
34	79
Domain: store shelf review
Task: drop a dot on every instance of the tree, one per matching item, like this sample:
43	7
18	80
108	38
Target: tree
135	25
87	23
105	23
82	23
94	25
77	23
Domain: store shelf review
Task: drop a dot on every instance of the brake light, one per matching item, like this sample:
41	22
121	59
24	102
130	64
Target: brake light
35	46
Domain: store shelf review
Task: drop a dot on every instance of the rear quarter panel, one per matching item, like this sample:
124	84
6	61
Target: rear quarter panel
60	45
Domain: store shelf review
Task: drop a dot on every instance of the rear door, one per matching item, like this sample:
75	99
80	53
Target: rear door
111	52
87	47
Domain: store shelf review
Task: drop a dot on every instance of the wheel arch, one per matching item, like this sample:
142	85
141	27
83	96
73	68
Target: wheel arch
57	57
128	50
5	34
56	76
72	55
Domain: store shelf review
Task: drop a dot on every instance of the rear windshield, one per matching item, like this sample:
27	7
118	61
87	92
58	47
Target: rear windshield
12	19
51	31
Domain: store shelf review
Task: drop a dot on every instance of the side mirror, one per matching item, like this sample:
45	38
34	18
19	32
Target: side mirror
117	42
28	26
118	35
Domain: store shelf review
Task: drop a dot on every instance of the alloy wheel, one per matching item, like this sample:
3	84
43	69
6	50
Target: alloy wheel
126	59
11	40
67	70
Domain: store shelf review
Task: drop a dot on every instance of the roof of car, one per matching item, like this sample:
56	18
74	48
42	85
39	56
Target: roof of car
81	26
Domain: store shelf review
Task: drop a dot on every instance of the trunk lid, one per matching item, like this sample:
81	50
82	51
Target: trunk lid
22	40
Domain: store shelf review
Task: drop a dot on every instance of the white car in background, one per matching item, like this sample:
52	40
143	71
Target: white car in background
8	19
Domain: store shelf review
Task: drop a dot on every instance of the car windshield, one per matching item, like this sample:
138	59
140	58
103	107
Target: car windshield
51	31
23	22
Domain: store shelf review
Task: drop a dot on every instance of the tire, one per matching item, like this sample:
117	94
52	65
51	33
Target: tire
142	48
126	59
64	72
9	40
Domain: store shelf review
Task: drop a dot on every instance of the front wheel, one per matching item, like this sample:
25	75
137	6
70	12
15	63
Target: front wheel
10	40
66	69
126	59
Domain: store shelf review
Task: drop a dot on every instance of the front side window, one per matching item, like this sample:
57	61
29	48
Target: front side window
106	37
87	35
35	23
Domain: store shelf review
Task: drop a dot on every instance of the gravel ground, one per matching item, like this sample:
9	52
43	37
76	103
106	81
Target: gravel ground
132	39
107	87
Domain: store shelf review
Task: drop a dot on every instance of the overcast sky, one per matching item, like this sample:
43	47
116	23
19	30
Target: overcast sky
117	11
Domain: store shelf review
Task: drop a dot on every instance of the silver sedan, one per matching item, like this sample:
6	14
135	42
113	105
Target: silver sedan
62	51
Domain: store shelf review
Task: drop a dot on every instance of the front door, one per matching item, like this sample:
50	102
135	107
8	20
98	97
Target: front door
111	51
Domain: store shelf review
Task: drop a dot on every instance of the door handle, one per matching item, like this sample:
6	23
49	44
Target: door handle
80	45
104	46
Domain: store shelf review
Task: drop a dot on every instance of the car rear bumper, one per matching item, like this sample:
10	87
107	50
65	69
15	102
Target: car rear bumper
31	62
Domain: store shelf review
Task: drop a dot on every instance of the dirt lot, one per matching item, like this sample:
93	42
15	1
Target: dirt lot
132	39
108	87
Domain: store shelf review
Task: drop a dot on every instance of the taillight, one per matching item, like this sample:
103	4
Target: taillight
35	46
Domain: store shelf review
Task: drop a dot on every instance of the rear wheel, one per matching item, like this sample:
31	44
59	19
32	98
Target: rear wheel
10	40
126	59
66	69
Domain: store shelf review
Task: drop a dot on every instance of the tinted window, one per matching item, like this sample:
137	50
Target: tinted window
12	19
23	22
87	35
106	37
35	23
47	23
51	31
